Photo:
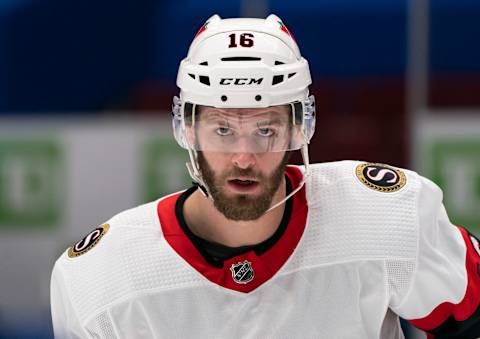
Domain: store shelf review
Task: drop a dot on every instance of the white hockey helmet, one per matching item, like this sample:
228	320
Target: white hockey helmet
243	63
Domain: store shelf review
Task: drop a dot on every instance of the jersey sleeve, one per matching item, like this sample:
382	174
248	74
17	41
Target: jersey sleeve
444	293
64	319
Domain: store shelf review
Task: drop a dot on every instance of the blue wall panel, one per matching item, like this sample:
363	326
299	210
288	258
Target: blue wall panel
66	55
175	25
347	38
77	55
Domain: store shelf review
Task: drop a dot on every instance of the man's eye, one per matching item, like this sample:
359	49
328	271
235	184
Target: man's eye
223	131
265	132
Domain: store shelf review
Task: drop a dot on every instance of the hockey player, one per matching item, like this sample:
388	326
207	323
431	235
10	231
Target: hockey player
259	249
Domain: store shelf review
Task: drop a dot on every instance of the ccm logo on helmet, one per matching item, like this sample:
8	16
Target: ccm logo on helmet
240	81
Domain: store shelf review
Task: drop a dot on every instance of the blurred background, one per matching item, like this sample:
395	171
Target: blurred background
86	89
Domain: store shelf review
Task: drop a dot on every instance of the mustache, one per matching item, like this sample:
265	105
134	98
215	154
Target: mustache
243	172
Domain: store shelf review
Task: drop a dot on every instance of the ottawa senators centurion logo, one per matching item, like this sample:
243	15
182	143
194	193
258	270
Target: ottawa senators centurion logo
87	243
381	177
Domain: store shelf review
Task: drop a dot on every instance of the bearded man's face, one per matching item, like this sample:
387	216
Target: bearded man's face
245	192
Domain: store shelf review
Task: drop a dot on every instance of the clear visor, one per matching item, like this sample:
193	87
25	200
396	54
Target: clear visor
246	130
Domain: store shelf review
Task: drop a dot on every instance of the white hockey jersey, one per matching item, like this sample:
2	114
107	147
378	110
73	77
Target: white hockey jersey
365	243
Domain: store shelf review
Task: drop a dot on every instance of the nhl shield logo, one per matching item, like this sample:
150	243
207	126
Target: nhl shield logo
242	272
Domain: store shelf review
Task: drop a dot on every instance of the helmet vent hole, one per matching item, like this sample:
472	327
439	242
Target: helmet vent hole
241	59
279	63
205	63
204	80
223	98
277	79
191	75
291	75
258	97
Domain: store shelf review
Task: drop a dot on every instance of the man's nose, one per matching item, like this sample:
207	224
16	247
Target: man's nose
243	160
242	156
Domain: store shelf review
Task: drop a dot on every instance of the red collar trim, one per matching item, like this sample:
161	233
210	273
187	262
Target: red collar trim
264	266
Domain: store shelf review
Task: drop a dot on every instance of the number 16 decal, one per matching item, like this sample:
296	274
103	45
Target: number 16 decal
246	40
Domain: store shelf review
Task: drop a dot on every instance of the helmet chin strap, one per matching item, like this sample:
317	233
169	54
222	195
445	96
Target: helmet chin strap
194	171
306	174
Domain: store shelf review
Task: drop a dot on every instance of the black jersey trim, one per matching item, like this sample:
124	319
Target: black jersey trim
227	252
451	328
468	328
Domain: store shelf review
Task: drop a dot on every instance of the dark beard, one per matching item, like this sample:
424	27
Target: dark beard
241	206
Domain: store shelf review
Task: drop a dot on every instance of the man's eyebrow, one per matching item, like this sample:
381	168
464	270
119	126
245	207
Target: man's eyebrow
219	117
213	116
274	121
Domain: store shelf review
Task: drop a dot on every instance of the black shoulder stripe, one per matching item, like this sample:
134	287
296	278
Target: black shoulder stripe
467	329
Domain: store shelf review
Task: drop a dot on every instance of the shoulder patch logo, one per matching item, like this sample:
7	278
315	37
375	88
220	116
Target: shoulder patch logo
87	243
242	272
380	177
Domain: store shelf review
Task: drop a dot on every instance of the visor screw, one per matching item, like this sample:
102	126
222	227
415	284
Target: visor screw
258	97
223	98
